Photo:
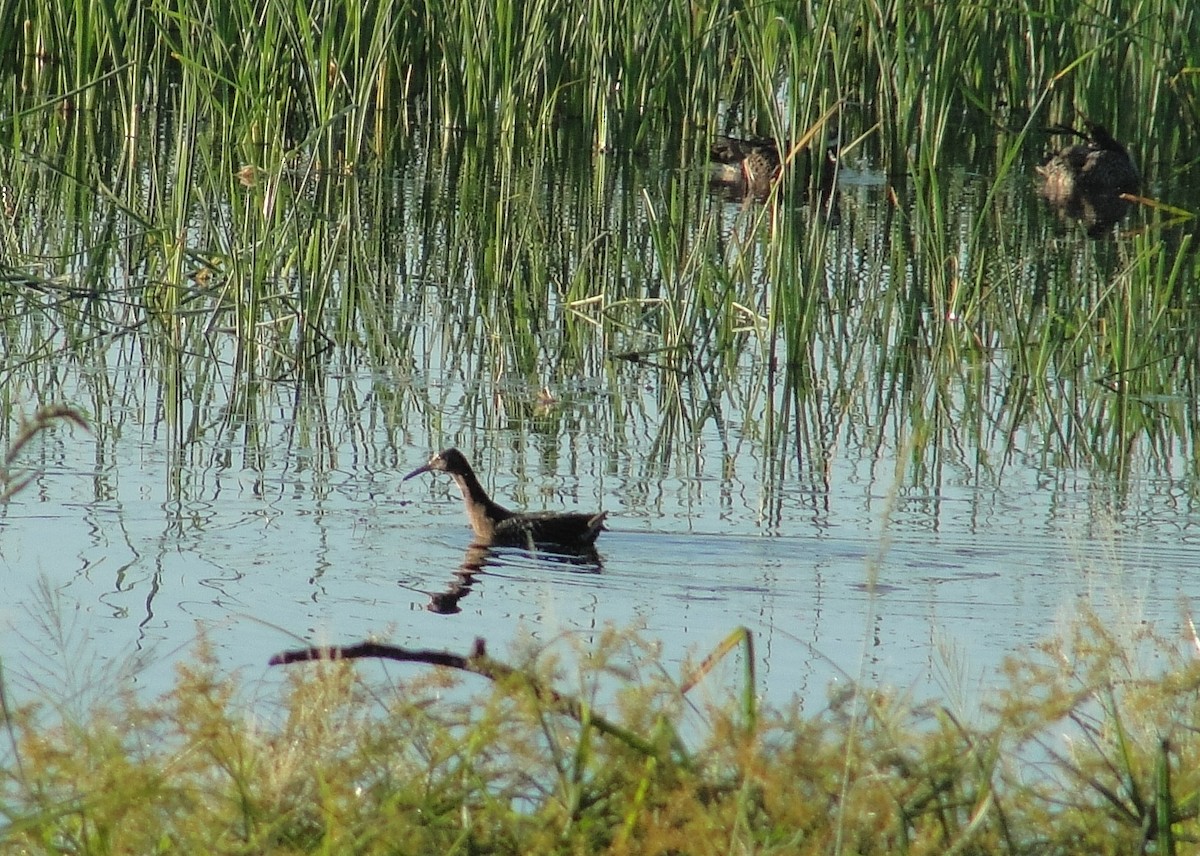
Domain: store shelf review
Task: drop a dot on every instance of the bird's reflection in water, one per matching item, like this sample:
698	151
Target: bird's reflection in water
1098	212
479	556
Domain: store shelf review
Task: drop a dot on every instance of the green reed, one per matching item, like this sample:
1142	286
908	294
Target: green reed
747	312
348	72
258	229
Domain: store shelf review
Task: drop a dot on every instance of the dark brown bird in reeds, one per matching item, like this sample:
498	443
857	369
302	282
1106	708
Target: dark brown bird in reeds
750	165
495	525
750	168
1098	166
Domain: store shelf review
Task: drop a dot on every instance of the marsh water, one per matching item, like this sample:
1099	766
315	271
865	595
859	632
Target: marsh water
899	486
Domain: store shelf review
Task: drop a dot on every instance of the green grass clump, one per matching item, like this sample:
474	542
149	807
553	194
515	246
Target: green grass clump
339	75
1078	753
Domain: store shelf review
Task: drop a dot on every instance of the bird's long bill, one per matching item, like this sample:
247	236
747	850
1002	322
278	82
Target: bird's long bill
417	472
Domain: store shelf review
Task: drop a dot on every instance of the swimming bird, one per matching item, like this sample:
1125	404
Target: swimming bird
1099	166
495	525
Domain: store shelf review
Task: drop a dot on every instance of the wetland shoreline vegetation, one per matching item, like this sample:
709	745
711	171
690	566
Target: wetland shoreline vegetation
250	198
1076	751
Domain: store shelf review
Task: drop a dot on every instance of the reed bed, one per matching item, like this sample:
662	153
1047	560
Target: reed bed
947	300
340	76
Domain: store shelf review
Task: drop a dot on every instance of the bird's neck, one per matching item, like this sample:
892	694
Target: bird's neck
1104	140
481	511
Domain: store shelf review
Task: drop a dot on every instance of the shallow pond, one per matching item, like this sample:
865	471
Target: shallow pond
271	514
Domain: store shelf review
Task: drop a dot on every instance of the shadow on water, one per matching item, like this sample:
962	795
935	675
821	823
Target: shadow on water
1097	212
479	557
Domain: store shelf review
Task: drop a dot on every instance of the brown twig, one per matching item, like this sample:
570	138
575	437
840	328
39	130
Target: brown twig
479	663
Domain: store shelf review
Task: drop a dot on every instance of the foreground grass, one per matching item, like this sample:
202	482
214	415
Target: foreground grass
1077	755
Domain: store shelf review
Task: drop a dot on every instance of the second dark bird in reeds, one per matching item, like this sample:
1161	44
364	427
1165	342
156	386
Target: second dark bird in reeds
747	168
751	165
1098	166
495	525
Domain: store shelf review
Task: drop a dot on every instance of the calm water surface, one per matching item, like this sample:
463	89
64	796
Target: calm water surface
291	526
261	560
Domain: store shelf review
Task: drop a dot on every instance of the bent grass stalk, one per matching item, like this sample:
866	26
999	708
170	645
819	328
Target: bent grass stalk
44	418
